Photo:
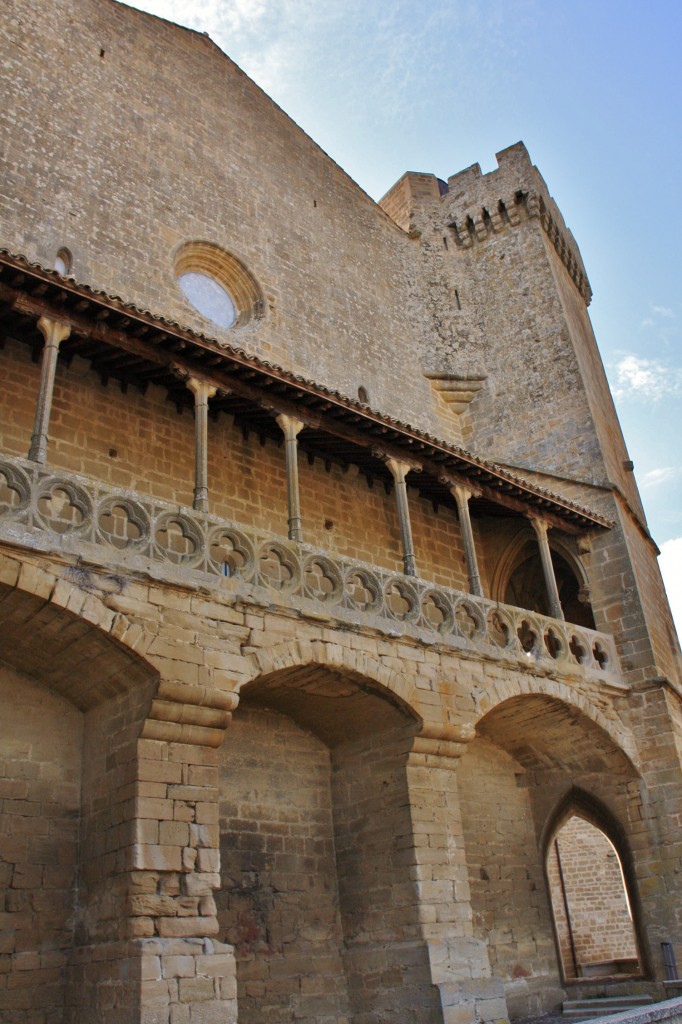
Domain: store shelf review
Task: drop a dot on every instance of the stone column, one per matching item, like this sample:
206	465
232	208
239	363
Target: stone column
54	332
291	428
459	963
462	495
399	471
202	391
541	528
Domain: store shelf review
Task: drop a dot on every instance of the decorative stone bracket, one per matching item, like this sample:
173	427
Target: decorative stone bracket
439	746
456	391
189	714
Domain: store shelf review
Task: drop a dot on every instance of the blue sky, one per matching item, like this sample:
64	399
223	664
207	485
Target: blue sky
592	87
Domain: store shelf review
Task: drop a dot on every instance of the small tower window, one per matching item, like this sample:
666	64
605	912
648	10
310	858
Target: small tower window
62	262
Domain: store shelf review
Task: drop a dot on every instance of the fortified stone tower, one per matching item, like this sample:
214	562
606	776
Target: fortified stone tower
333	640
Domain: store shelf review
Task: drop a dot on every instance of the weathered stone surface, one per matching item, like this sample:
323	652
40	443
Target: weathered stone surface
244	777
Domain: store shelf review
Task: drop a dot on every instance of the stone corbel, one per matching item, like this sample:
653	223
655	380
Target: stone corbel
457	391
439	745
183	713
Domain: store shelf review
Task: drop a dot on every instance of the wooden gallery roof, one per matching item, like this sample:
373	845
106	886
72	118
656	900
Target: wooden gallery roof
135	347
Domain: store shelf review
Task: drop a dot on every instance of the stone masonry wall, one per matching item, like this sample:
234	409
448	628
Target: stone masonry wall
207	646
601	924
544	408
508	892
232	169
41	746
278	904
386	960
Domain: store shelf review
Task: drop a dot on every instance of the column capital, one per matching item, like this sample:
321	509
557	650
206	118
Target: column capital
54	331
289	425
461	493
201	389
398	468
541	526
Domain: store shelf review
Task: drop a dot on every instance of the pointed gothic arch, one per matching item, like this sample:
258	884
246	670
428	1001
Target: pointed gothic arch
517	578
591	881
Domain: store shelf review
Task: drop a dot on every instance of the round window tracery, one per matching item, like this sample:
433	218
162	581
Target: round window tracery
218	285
209	297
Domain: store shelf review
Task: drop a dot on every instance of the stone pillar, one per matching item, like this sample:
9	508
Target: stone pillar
459	962
149	951
655	822
202	391
176	858
399	471
462	495
541	528
291	428
54	332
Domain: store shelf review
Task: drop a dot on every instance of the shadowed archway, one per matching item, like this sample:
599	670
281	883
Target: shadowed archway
593	890
74	699
316	894
529	751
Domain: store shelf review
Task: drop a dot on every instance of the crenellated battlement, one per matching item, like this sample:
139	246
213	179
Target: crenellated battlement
478	206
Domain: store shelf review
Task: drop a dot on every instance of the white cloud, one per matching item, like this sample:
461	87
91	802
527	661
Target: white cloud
646	378
660	475
212	16
371	54
671	570
659	317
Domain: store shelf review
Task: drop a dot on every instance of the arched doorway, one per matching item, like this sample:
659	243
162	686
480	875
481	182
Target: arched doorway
592	910
316	892
528	753
519	581
70	696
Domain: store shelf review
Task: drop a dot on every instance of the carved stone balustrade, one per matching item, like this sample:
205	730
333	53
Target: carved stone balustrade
120	531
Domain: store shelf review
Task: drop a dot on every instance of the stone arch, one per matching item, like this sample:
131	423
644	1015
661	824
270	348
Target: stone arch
527	686
76	694
524	545
295	654
316	893
578	804
535	741
70	614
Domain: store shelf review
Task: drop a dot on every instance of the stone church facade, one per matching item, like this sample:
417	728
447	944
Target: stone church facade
326	592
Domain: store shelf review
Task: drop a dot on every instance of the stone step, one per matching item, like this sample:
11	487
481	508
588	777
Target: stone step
602	1006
